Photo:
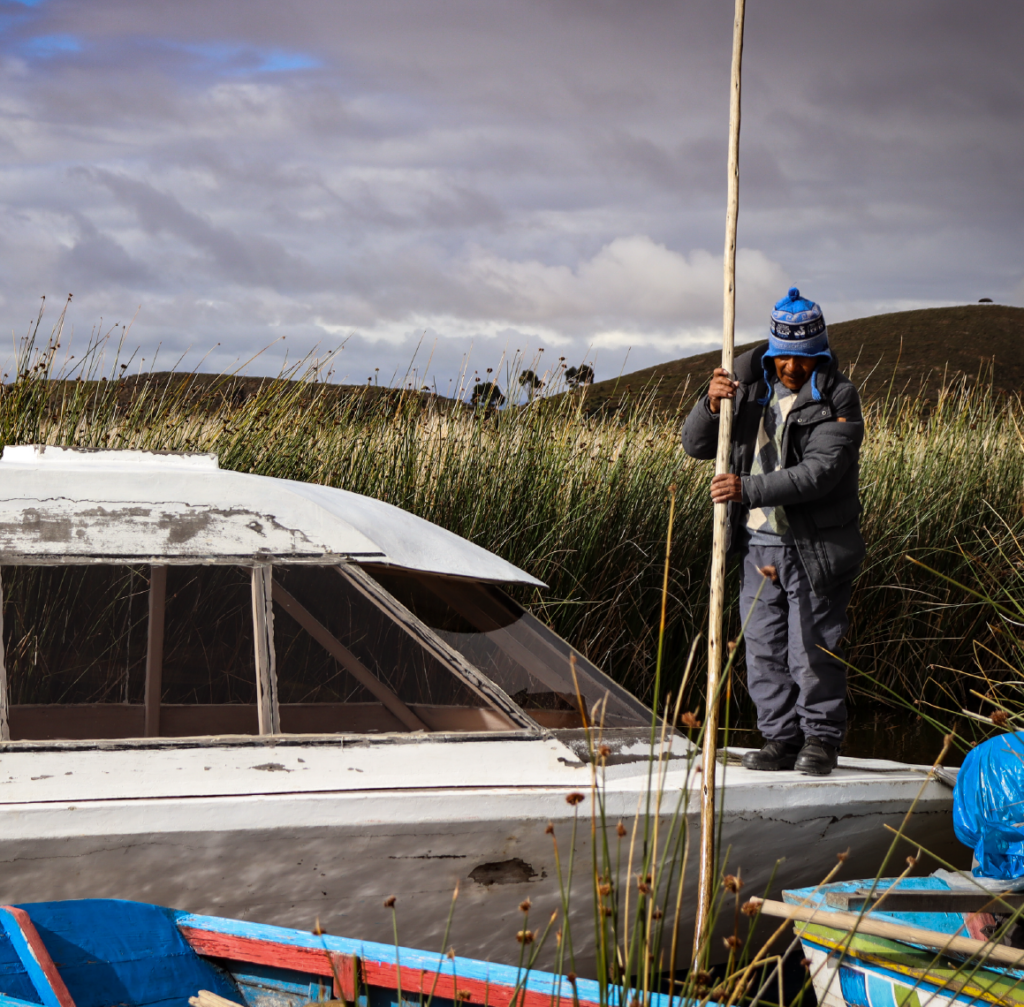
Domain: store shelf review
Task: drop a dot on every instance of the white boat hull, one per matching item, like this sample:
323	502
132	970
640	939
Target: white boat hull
295	832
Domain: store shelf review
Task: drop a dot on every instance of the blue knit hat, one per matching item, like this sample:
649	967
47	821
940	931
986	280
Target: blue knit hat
797	328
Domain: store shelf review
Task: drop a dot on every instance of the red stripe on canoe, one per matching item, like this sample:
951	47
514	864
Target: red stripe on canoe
318	961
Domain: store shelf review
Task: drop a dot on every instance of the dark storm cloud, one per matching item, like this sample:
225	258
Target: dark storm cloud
500	176
95	259
251	260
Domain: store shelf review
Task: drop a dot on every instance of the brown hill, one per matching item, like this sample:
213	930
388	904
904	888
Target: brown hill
909	351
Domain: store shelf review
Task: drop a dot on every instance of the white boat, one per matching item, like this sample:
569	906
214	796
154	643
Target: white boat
280	702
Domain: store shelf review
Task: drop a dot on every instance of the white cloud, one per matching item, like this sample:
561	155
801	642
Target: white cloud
632	293
499	177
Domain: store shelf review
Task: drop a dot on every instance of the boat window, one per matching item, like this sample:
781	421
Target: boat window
74	634
75	647
343	664
349	658
514	650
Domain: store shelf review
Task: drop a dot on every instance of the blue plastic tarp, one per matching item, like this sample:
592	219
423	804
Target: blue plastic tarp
988	806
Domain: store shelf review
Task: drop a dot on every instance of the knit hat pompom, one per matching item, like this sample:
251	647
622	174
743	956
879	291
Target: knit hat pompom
797	328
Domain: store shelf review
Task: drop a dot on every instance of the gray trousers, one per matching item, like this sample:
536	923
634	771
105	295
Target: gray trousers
798	689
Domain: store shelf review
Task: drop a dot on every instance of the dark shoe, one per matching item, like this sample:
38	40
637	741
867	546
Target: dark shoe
775	755
817	757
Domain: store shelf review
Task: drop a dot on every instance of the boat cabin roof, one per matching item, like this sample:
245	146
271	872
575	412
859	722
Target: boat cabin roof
82	505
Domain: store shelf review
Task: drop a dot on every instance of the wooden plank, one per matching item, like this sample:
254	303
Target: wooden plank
102	721
5	723
346	658
449	657
468	989
838	920
77	722
266	659
35	958
316	961
346	978
155	648
927	901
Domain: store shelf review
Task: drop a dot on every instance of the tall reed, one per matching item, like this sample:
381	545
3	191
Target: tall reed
573	496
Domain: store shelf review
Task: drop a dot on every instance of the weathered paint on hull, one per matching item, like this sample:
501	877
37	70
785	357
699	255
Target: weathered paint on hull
291	858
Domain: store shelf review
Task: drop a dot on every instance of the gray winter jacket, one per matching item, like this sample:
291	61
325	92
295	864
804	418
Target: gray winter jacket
817	483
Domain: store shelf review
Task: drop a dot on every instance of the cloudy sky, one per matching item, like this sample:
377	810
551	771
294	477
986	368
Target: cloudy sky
480	177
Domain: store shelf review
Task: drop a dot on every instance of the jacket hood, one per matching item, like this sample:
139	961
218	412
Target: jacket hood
749	370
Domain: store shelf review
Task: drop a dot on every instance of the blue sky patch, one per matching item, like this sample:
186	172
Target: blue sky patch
45	46
232	59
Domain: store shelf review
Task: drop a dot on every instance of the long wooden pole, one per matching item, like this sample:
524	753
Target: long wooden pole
706	884
854	922
267	708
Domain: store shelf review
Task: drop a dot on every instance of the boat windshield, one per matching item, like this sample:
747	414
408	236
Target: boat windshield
515	650
346	663
82	661
126	651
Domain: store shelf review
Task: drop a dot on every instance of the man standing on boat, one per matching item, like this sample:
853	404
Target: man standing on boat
794	525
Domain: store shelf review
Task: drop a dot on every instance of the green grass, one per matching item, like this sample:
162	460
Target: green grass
580	501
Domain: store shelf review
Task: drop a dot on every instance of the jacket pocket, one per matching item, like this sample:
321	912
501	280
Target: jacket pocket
842	550
836	514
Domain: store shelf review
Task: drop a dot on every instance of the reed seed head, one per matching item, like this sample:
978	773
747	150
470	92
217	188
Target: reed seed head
462	995
317	929
526	936
604	751
524	906
732	883
574	798
657	914
806	962
451	953
550	830
999	718
620	830
751	907
911	861
389	902
844	856
689	719
571	976
702	979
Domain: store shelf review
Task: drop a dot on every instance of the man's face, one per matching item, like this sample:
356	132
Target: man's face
795	372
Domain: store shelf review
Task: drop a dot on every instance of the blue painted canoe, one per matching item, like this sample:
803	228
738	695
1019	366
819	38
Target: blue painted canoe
103	952
864	970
